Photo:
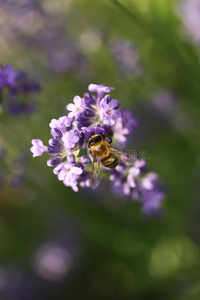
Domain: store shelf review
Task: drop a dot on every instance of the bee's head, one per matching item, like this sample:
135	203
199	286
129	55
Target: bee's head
95	139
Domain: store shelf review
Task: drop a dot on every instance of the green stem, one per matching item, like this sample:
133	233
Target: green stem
122	8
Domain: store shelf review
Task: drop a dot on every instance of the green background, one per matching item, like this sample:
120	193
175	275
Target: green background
123	255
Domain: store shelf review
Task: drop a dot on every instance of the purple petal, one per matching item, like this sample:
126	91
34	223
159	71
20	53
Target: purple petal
85	160
56	133
38	148
61	123
52	162
134	171
126	188
71	114
71	107
93	87
78	101
61	175
148	182
116	114
74	187
76	170
113	104
71	158
70	138
99	89
58	168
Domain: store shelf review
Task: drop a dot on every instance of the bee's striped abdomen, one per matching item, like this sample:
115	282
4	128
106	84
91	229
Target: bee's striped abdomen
110	161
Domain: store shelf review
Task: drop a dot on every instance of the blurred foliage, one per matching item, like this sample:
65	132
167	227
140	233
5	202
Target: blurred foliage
122	254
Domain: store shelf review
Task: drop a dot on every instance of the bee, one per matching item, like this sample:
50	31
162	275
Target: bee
101	151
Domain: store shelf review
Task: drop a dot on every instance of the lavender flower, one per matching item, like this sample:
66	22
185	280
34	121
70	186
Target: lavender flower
124	125
101	115
77	108
64	145
100	89
17	85
109	111
68	172
135	184
38	148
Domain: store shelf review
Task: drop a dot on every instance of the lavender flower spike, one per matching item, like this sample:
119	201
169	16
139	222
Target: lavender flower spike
73	138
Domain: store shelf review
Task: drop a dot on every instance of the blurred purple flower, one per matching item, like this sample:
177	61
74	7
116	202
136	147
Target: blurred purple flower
152	202
165	106
126	56
17	85
189	11
135	184
21	18
8	76
59	256
53	262
32	24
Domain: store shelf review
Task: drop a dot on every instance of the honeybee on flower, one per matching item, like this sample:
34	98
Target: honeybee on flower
81	142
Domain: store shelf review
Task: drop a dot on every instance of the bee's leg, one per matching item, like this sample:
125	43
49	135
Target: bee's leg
97	128
110	134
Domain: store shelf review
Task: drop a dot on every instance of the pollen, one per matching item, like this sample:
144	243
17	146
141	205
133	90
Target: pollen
108	112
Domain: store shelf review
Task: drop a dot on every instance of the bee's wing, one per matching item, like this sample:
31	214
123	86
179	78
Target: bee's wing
126	158
96	174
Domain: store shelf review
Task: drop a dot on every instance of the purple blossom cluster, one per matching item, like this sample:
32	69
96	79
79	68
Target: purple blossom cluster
15	88
89	115
136	183
64	56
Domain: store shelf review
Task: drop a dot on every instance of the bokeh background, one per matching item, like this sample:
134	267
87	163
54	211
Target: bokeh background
58	244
